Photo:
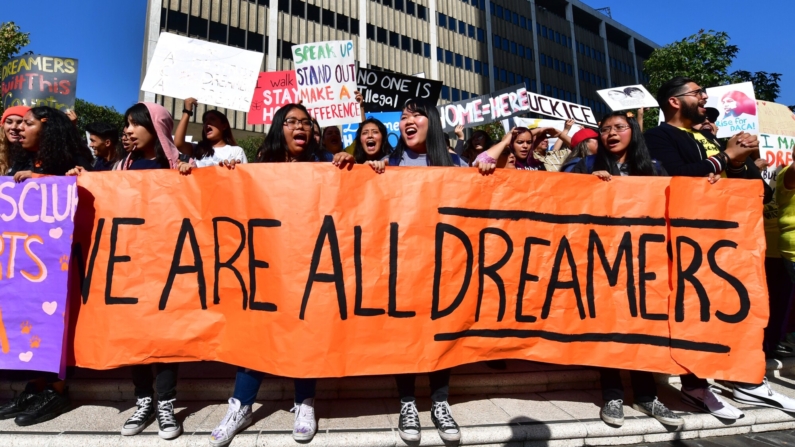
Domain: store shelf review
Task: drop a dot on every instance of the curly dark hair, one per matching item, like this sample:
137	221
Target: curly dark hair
60	147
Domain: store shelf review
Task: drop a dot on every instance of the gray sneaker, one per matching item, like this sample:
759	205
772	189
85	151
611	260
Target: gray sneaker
658	411
613	412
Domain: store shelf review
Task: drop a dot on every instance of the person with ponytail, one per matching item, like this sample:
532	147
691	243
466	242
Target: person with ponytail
291	139
217	146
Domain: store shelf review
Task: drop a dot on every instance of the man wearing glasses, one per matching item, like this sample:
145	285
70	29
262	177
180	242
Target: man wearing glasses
684	151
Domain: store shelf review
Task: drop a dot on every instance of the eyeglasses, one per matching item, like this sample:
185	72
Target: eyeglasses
620	128
698	92
295	123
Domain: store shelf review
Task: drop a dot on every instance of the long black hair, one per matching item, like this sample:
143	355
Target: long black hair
638	158
139	115
358	148
469	148
435	145
274	148
60	146
204	148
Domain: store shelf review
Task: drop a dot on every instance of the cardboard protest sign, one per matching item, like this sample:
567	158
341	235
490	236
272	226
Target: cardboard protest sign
326	80
273	90
737	106
35	250
777	151
776	119
215	74
384	91
391	121
508	103
627	97
38	80
305	282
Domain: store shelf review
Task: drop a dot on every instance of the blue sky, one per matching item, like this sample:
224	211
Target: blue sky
106	36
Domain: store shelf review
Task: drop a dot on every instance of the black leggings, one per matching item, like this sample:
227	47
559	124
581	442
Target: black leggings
440	385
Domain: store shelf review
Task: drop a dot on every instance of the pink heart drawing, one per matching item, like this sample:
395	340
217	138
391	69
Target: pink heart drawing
56	233
26	356
49	307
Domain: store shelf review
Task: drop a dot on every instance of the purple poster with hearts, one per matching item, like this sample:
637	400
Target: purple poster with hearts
36	222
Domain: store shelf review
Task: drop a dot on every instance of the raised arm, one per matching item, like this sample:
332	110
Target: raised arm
182	129
564	137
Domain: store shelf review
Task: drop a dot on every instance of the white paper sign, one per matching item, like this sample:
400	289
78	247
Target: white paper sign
214	74
627	97
777	151
737	106
325	74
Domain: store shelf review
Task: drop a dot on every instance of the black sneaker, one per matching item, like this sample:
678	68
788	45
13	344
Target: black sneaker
782	351
138	421
409	422
613	412
18	404
444	422
46	405
169	427
658	411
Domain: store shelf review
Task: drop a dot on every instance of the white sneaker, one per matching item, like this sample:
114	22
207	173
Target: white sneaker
707	401
236	420
305	425
764	396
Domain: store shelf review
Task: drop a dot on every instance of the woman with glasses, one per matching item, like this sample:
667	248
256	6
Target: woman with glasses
622	151
290	139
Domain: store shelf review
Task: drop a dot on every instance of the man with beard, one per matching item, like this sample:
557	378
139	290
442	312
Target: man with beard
684	151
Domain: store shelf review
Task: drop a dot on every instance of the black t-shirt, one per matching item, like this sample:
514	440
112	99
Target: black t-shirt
100	164
145	164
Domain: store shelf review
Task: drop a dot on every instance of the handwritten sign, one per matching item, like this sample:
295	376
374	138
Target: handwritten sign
35	248
216	75
776	119
322	287
326	79
384	91
737	106
391	121
38	80
273	91
508	103
627	97
777	151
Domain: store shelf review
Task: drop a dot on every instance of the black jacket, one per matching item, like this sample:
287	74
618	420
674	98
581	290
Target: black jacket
592	163
26	162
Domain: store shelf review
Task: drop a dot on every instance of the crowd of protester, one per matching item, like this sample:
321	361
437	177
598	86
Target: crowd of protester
43	140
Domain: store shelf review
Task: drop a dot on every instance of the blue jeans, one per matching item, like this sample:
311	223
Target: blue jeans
247	384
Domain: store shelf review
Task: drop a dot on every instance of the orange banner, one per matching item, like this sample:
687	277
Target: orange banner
303	270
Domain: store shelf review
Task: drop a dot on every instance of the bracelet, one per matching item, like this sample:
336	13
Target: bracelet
190	113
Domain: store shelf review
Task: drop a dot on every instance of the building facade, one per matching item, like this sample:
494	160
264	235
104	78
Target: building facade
559	48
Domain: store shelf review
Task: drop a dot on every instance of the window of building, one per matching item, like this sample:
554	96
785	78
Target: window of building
481	35
543	59
513	47
497	41
328	18
284	6
456	95
410	7
342	22
522	22
471	30
448	57
459	60
394	39
556	65
313	13
515	18
217	32
237	37
557	37
451	24
442	20
521	50
505	44
464	95
381	35
477	66
503	75
298	8
511	78
498	11
439	54
405	43
417	47
544	31
370	31
468	63
569	69
462	28
422	12
445	92
198	27
427	49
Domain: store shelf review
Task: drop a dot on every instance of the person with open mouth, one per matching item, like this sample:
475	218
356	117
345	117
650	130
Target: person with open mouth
12	124
217	146
371	142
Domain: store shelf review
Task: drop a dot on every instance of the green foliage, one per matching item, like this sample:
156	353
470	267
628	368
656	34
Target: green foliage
88	113
250	146
495	130
12	39
766	85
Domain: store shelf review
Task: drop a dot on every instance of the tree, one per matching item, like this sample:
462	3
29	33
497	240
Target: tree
250	146
88	113
12	39
494	129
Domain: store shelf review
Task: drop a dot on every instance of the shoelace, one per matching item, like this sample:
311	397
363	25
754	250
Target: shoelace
303	413
409	411
767	386
442	412
143	407
615	404
231	416
165	410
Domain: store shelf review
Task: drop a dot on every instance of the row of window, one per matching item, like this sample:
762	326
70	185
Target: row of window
461	27
512	47
398	41
622	67
586	76
481	4
553	35
555	64
409	7
565	95
510	16
459	61
591	52
453	94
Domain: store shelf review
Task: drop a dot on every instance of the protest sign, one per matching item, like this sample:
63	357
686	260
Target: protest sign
776	119
391	121
427	273
627	97
737	108
777	151
508	103
384	91
273	90
38	80
215	74
35	250
326	80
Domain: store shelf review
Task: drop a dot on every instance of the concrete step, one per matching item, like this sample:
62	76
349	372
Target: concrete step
551	418
209	381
